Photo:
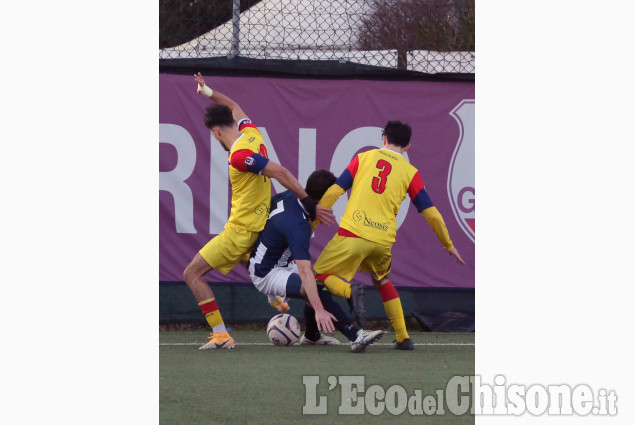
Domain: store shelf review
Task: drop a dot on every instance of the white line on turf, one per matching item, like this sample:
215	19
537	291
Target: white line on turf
170	344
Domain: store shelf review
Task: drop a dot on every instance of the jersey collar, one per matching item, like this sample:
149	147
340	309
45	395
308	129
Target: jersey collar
236	141
390	150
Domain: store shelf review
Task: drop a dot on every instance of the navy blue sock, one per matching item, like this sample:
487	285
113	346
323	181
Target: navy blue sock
311	331
343	323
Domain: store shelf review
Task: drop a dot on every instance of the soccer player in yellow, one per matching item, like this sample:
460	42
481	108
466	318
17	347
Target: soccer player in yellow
379	180
249	172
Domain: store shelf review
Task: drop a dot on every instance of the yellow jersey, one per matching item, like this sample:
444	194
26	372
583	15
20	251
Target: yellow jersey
251	192
379	180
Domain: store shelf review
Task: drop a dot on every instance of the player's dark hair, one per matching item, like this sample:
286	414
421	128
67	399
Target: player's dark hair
397	133
318	182
218	116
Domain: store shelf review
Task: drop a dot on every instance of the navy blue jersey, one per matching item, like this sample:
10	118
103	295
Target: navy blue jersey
286	236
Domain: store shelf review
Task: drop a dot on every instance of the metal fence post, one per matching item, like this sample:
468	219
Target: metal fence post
236	29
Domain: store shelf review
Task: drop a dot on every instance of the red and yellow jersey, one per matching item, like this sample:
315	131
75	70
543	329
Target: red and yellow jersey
251	192
379	180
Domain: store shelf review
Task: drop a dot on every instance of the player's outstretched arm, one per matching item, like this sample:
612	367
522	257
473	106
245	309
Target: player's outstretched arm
219	98
436	222
323	318
278	172
424	205
327	201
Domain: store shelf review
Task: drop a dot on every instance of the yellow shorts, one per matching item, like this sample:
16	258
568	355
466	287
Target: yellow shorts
344	255
226	250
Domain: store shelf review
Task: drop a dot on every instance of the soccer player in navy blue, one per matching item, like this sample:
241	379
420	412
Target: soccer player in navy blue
280	266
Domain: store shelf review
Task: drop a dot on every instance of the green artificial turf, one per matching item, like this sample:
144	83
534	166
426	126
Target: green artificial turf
262	384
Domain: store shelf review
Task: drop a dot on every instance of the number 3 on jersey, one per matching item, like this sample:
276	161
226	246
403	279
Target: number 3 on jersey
379	183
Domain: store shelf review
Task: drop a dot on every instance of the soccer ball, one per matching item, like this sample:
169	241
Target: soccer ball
283	329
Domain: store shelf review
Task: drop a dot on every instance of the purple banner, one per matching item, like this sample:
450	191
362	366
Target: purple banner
312	124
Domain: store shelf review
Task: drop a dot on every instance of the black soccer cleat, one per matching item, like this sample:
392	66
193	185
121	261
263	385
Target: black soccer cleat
406	344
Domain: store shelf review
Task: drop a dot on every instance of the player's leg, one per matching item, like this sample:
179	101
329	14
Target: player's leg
222	253
339	259
293	289
286	283
359	338
312	336
394	311
203	294
378	264
311	332
194	278
278	303
274	301
336	285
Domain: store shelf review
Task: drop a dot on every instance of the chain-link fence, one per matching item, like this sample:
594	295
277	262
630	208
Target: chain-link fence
429	36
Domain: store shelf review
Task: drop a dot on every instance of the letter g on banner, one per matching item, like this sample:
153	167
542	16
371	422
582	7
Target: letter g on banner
461	173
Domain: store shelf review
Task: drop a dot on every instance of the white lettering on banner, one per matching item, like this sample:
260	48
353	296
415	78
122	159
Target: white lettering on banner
306	154
218	187
272	156
174	181
461	172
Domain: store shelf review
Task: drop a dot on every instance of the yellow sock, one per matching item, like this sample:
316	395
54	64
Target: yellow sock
279	305
212	314
394	311
335	285
276	303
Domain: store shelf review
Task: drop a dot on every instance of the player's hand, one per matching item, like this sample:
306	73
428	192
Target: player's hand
324	320
201	83
456	254
325	215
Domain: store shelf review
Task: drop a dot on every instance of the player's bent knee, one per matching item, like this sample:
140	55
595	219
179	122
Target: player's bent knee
188	275
195	270
293	286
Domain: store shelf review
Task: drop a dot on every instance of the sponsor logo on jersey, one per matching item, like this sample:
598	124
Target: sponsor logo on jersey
461	172
261	209
249	160
361	217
